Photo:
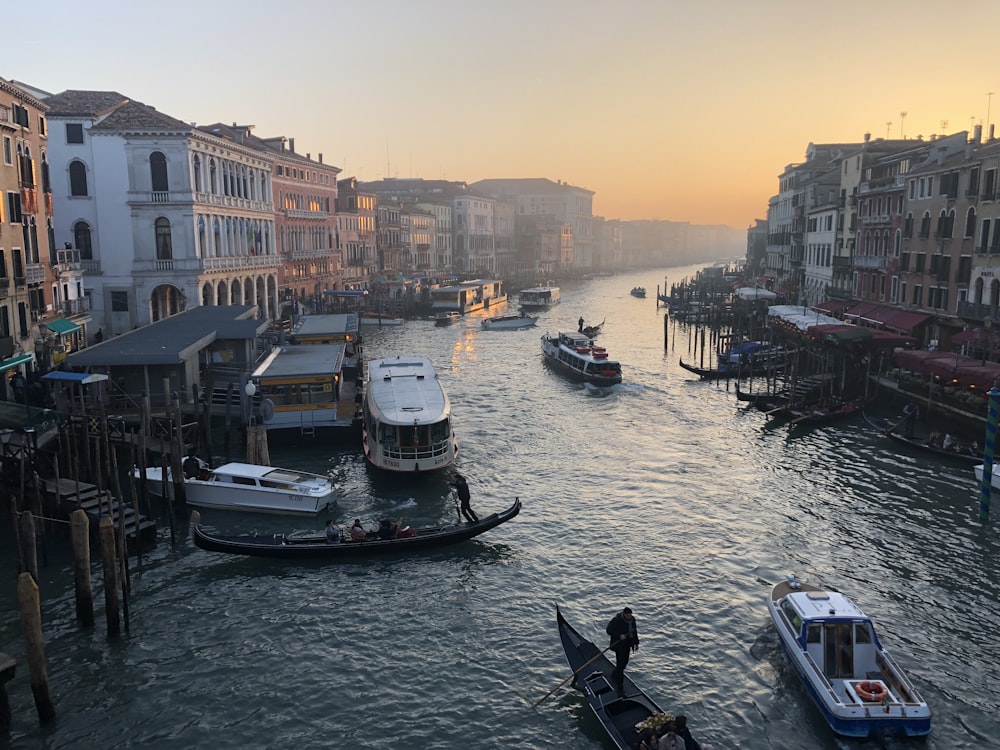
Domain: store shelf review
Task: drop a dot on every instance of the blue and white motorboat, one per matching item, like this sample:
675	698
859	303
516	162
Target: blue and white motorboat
834	649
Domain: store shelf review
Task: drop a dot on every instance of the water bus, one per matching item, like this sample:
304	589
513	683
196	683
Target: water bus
538	297
406	423
468	296
576	355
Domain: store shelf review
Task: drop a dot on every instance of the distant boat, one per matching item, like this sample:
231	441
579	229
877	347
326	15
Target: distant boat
575	355
538	298
509	322
378	319
446	318
638	291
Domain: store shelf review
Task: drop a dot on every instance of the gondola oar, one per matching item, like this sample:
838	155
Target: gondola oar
587	664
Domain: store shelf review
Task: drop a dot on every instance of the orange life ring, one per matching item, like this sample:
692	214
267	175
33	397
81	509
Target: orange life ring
871	692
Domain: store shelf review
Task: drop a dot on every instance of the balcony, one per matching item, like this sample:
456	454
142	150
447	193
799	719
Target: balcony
76	306
67	260
978	313
870	261
295	213
231	201
842	263
91	266
35	273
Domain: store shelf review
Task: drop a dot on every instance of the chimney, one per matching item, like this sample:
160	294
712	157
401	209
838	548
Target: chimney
308	155
291	145
868	137
991	132
977	134
320	154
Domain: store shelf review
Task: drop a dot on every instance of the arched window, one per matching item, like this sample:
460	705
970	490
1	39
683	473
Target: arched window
77	179
158	172
925	225
82	240
212	184
164	249
970	222
196	166
201	250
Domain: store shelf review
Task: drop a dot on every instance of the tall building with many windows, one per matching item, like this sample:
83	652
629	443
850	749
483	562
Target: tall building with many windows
165	215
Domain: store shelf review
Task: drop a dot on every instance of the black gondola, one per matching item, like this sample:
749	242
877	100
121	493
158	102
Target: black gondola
282	546
724	371
961	453
618	712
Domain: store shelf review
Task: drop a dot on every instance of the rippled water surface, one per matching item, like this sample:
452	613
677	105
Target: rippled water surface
663	493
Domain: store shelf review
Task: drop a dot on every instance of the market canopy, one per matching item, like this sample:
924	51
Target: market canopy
62	326
901	321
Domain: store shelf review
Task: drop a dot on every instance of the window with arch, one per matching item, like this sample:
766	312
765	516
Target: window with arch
925	225
164	248
83	241
158	172
77	179
212	185
970	223
196	168
908	226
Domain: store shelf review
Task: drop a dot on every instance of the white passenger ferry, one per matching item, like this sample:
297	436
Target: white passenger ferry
407	417
538	298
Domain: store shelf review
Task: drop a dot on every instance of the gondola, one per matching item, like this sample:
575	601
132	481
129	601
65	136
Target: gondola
592	331
963	454
820	415
289	547
724	371
618	712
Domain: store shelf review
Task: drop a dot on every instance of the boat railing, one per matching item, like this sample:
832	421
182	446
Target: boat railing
897	675
416	452
822	677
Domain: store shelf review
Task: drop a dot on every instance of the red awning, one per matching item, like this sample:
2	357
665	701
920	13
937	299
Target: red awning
831	306
980	375
903	321
928	362
893	318
860	310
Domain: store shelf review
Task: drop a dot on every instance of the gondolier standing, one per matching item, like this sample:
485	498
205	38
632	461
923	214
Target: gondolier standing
624	640
464	497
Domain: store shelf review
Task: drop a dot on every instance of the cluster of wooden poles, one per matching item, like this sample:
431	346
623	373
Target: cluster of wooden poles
92	451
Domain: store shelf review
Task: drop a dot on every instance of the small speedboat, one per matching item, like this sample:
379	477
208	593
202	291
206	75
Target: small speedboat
252	487
447	318
836	653
509	322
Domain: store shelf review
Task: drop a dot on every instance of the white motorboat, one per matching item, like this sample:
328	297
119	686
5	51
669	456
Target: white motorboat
252	487
447	317
378	319
509	322
834	649
406	426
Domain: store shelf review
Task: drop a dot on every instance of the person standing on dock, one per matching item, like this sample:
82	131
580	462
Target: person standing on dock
624	640
579	325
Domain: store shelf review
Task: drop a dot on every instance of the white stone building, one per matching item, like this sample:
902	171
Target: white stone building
164	215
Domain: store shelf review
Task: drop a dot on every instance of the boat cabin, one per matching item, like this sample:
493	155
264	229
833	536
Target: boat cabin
832	631
541	296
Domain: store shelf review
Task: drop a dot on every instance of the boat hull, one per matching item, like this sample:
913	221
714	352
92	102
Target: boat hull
207	493
617	712
901	713
279	546
509	323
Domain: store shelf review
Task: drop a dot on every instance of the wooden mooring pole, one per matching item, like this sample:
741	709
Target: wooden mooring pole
79	525
110	568
34	645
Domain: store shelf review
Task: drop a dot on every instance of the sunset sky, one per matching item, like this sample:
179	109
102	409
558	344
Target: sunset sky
686	111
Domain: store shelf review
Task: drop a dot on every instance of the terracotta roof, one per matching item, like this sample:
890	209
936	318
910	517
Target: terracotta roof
138	116
75	103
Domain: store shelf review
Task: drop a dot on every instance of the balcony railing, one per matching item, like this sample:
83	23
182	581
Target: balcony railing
68	260
870	261
231	201
35	273
979	313
76	306
296	213
91	265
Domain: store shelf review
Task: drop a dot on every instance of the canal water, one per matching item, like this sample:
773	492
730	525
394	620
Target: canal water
664	494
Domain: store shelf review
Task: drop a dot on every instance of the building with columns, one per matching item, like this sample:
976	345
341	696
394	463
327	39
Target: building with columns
165	215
